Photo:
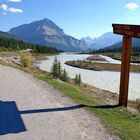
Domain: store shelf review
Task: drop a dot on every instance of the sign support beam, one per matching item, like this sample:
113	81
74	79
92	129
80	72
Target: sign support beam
128	31
125	70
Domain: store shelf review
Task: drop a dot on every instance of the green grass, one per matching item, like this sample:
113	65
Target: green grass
118	121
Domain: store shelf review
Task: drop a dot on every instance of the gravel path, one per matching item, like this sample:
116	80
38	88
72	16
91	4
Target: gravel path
31	109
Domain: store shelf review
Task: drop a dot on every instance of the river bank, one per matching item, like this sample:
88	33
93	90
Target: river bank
105	80
97	66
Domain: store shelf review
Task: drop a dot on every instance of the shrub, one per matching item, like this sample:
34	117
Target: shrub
26	59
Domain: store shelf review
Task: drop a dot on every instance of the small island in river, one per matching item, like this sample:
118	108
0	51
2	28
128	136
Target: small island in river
99	64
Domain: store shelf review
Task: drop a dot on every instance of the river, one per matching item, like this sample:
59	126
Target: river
101	79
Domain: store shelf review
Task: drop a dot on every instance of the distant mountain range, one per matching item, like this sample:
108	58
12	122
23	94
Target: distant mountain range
135	43
46	32
103	41
88	40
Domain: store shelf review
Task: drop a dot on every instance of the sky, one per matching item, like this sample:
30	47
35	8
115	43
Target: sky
78	18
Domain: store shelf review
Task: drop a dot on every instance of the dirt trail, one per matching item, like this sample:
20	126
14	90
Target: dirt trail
31	109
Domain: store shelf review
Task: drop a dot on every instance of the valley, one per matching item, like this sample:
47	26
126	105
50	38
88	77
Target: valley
69	70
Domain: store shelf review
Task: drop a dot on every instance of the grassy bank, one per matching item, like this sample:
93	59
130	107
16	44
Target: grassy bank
117	120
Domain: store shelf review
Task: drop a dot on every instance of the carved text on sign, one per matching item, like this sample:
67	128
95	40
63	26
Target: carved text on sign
129	30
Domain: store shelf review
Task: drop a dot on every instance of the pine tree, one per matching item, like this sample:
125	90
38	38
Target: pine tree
13	44
77	79
56	68
59	69
64	76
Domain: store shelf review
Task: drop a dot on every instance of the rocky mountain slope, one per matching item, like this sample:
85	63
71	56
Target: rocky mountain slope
46	32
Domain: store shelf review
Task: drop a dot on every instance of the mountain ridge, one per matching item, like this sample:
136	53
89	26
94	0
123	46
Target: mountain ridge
88	40
46	32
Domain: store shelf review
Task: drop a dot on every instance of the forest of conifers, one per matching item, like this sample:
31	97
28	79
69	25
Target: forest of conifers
13	44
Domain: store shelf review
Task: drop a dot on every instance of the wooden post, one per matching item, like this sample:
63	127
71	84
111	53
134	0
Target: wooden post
125	69
128	31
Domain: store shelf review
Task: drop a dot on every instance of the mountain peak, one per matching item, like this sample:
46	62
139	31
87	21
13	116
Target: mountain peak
46	32
107	39
47	23
88	40
45	20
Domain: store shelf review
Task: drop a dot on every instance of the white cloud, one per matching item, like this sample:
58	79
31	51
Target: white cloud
131	6
4	7
15	10
14	0
10	9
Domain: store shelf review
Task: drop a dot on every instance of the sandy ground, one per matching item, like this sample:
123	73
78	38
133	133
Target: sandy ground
110	60
33	110
11	59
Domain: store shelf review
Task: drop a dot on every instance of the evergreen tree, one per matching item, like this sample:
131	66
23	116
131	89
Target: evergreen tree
64	76
77	79
13	44
56	68
59	69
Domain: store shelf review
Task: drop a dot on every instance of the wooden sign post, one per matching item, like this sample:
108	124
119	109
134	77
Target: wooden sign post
128	31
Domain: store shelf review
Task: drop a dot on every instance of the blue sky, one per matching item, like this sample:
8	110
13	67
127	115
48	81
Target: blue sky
79	18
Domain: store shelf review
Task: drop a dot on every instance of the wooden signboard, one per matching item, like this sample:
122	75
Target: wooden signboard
128	31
